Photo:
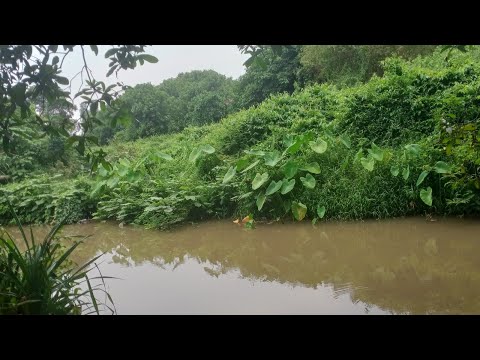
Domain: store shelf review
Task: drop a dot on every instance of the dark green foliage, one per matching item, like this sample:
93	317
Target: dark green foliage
350	64
193	98
407	103
270	74
358	151
45	199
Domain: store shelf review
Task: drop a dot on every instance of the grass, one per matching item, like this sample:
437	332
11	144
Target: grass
41	280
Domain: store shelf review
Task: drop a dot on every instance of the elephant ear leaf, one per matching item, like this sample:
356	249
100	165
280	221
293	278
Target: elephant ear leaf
426	196
273	187
321	211
287	186
308	181
259	180
260	201
299	210
319	146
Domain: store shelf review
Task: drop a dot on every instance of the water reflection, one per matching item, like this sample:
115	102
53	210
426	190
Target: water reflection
396	266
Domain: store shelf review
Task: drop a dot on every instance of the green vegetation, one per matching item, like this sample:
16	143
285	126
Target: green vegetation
403	143
41	280
194	98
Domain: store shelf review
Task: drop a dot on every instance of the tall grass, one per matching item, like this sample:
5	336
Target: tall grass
41	280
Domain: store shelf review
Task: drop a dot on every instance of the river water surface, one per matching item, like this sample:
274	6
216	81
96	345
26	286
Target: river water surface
400	266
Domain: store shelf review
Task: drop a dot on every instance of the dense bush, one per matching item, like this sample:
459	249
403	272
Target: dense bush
402	144
45	199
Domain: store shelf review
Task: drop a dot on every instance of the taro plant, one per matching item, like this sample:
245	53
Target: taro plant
41	279
285	171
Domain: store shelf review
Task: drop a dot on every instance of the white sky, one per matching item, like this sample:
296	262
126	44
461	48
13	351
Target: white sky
172	60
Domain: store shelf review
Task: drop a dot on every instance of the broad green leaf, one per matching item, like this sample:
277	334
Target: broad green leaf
163	156
272	158
314	221
293	148
313	168
321	211
230	174
287	186
376	152
406	172
358	156
208	149
260	201
242	164
112	182
259	180
368	163
289	140
194	155
98	187
413	149
426	195
422	177
308	181
319	146
395	170
251	166
441	167
273	187
255	152
290	169
345	140
299	210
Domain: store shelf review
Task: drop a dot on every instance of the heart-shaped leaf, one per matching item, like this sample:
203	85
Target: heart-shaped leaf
194	155
395	170
208	149
376	152
295	146
413	149
230	174
259	180
368	163
272	158
287	186
308	181
273	187
422	177
441	167
426	195
299	210
260	201
319	146
321	211
290	169
313	168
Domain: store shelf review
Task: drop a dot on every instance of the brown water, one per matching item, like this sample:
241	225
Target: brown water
401	266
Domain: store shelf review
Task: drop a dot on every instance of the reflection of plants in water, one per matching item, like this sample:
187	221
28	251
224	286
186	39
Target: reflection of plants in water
407	266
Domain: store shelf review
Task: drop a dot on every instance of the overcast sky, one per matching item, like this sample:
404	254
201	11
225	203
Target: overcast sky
172	60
